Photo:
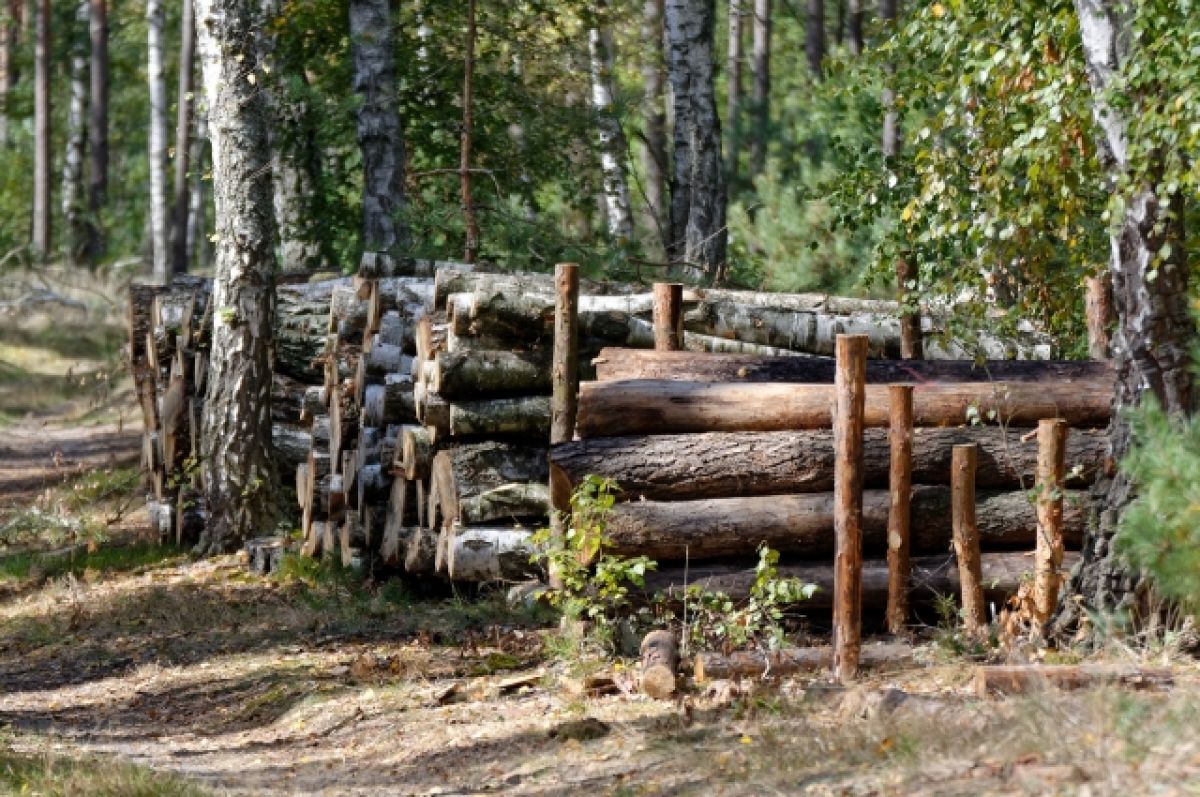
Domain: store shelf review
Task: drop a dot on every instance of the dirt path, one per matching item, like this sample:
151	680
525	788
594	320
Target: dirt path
36	454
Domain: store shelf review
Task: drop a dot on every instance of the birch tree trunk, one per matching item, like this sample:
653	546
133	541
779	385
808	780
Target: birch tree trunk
74	202
613	148
760	68
698	235
183	131
98	125
1151	341
654	121
733	92
156	78
40	243
236	459
379	132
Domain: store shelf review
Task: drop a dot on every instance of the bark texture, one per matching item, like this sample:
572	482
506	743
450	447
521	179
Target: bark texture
74	201
98	109
40	242
697	226
379	132
613	147
236	447
760	70
183	135
157	81
654	121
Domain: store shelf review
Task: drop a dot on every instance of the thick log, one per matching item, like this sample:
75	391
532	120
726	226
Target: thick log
668	316
390	402
660	663
506	502
419	553
302	322
470	471
614	364
491	374
395	543
899	532
347	313
490	553
292	445
402	506
408	297
396	330
351	540
850	383
709	666
1051	438
661	406
455	280
1021	679
736	464
932	577
803	524
415	452
528	417
967	538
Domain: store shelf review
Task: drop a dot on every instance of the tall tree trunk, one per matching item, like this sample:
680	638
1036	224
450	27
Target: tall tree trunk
760	67
698	234
293	161
470	222
889	12
613	149
40	244
183	131
379	132
733	93
156	77
654	121
1154	331
814	39
74	200
199	247
8	51
236	456
98	125
854	20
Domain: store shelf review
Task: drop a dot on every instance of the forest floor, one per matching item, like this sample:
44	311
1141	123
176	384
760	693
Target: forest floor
126	668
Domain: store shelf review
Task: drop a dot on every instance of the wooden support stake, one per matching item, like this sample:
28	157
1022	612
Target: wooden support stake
966	536
849	411
1048	556
564	383
668	316
900	439
1098	308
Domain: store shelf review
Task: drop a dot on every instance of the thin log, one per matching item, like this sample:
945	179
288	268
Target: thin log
849	390
668	316
1048	555
900	438
660	663
663	407
416	452
491	374
1026	678
528	417
966	538
565	359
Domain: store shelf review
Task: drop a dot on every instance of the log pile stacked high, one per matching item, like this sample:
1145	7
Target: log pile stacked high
717	454
412	414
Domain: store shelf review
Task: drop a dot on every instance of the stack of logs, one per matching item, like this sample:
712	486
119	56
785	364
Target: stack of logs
412	414
719	454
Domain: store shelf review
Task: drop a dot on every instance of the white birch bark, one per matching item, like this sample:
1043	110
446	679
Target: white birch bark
157	84
236	454
74	201
613	148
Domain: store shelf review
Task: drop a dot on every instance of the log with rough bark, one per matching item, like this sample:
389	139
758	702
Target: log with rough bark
966	536
663	406
292	445
850	383
660	663
486	479
454	280
414	452
346	313
390	402
679	467
619	364
527	417
803	524
302	322
491	374
490	553
932	576
710	666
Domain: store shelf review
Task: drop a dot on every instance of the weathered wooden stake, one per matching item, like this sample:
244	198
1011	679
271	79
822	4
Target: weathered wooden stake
900	438
849	411
1098	309
668	316
966	537
1048	557
564	383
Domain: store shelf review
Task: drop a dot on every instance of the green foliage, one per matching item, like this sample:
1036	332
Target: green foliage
716	621
595	582
1160	529
79	512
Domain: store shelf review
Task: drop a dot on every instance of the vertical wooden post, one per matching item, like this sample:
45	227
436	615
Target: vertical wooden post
564	384
1099	312
912	347
668	316
849	408
966	536
900	438
1048	556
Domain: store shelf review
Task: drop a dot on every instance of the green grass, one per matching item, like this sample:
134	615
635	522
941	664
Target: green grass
106	559
68	776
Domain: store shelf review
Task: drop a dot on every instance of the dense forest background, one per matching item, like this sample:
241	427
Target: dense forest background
959	139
